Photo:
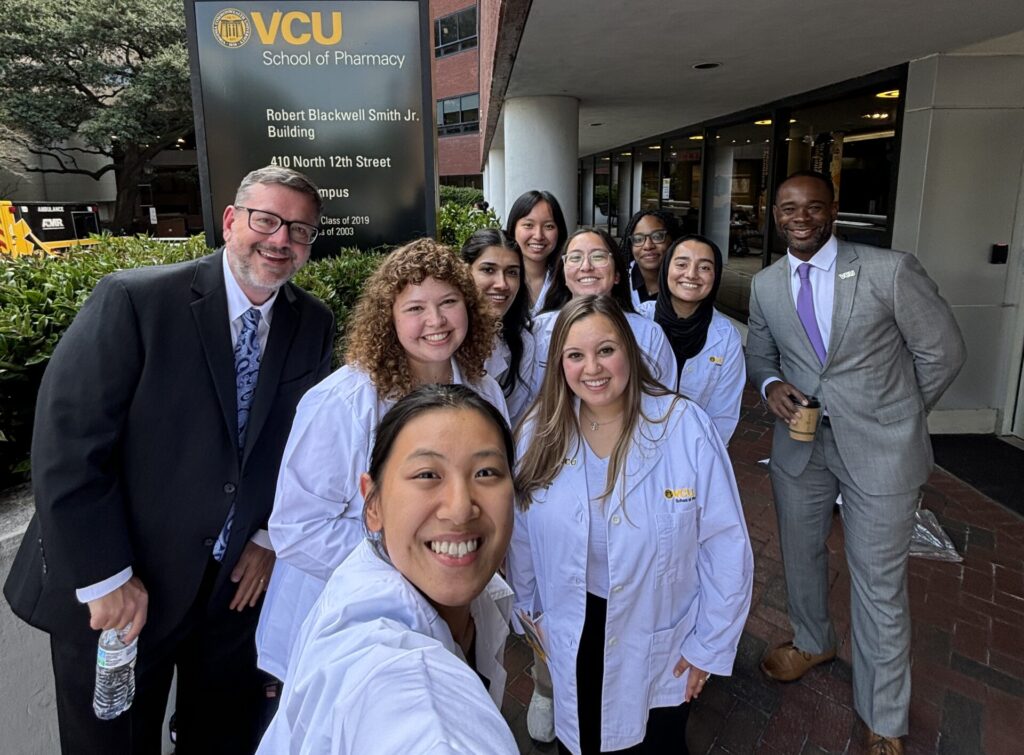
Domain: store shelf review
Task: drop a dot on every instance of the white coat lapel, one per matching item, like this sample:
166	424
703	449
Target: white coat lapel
646	452
847	275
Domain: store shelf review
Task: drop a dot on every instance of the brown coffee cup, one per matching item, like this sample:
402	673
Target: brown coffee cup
806	423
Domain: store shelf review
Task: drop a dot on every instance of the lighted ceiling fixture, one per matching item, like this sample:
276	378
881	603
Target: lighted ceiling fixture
706	66
655	146
868	137
875	116
765	122
889	94
625	154
697	138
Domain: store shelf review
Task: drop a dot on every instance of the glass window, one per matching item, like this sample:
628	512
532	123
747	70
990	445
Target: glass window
622	174
647	177
455	33
854	141
603	199
680	181
458	115
735	217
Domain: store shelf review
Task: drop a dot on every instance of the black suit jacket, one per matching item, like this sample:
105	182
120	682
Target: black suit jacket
134	455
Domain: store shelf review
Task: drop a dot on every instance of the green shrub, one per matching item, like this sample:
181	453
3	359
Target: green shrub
464	195
456	222
40	296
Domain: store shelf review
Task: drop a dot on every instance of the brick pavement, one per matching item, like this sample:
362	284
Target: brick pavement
968	637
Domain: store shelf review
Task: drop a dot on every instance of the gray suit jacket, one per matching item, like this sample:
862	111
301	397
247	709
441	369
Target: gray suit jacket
894	348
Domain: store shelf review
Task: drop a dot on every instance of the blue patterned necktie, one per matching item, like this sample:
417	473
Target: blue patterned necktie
247	371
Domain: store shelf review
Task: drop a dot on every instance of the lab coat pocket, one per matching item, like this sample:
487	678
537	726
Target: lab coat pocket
677	545
665	689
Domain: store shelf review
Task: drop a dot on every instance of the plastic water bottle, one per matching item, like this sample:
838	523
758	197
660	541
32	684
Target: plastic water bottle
115	674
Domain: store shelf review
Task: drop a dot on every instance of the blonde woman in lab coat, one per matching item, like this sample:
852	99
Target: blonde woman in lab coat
402	653
420	320
630	550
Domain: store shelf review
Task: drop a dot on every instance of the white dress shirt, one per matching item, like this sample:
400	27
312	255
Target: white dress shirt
238	305
823	286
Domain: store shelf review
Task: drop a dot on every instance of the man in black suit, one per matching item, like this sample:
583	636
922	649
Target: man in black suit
154	471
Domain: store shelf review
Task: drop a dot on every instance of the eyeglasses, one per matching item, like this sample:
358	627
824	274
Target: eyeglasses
267	223
598	258
638	239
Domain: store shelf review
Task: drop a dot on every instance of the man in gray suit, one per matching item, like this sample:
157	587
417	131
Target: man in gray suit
865	331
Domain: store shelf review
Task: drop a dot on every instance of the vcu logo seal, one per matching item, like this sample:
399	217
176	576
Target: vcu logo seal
231	28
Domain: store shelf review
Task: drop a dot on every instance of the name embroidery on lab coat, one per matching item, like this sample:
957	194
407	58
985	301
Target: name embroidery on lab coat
680	495
569	462
716	360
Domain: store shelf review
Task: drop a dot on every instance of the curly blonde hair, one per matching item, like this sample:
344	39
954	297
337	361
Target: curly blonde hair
372	342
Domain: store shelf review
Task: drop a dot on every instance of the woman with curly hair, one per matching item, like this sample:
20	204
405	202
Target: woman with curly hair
420	320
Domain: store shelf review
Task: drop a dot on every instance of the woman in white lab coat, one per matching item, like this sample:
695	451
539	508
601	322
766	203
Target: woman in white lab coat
537	224
645	240
630	544
419	320
392	656
707	346
590	265
496	262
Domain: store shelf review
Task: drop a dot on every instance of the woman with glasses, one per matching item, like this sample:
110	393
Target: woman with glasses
629	551
707	346
590	265
496	262
420	320
646	239
538	226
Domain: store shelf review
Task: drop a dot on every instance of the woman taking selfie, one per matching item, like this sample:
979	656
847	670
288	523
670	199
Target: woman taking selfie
645	240
392	657
707	346
590	266
497	266
538	226
630	550
420	320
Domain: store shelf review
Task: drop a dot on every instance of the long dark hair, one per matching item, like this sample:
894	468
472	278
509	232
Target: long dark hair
517	318
559	293
525	204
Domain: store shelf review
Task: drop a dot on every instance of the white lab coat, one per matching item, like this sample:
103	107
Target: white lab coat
539	303
317	518
376	671
498	362
679	565
649	337
714	377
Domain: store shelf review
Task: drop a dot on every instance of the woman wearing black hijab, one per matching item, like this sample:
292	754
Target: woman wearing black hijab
707	346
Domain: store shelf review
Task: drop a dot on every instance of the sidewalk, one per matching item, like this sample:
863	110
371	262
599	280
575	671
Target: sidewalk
968	640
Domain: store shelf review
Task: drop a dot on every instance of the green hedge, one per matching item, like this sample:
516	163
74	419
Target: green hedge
456	222
39	297
464	195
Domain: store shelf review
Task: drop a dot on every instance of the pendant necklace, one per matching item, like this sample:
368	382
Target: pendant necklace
594	424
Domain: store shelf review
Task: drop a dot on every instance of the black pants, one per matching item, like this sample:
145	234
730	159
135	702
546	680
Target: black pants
219	692
666	727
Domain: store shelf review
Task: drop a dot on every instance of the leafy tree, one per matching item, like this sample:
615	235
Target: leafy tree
93	86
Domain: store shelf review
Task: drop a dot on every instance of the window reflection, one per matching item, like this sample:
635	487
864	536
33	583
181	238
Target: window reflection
602	191
681	180
647	177
735	219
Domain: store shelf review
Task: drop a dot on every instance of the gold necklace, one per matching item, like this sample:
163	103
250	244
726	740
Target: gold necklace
594	424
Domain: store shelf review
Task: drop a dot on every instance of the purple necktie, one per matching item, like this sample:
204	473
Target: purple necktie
805	309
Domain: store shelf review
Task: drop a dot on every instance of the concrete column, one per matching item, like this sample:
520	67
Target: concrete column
542	149
960	192
494	187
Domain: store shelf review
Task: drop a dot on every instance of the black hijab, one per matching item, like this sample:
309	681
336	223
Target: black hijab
686	335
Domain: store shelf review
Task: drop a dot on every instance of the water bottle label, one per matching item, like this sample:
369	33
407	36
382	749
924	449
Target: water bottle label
116	658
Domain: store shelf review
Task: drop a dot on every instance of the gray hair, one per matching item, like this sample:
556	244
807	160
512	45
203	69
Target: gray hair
273	174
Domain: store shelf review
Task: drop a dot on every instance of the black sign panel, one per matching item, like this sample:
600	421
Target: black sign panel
337	90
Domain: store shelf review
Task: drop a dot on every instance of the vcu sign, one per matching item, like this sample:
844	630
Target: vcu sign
232	29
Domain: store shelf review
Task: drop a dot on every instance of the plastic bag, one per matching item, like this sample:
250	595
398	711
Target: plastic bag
929	540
